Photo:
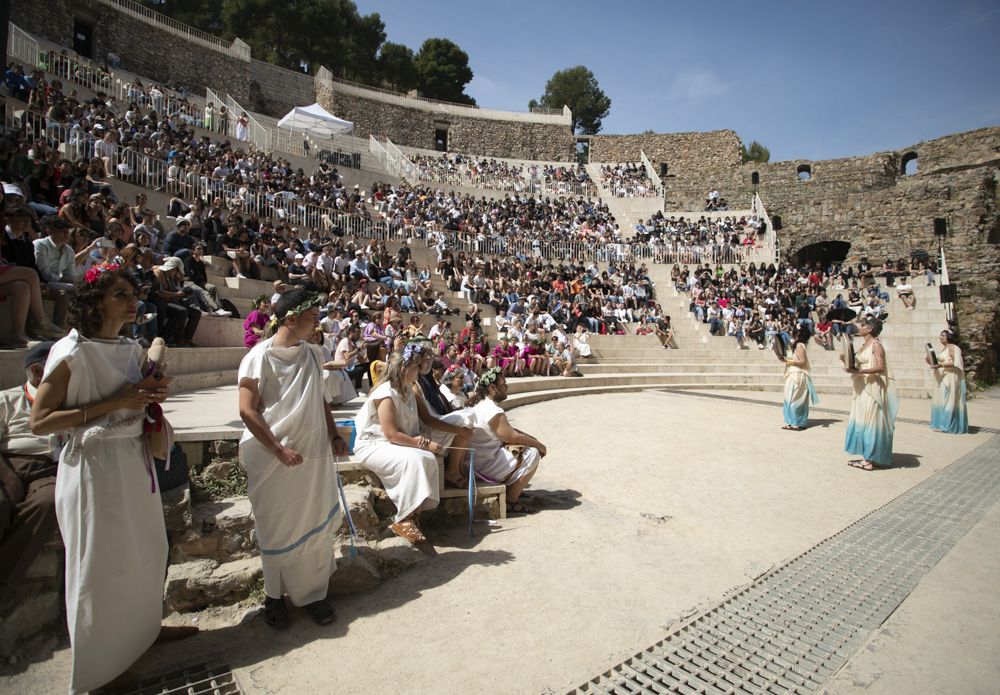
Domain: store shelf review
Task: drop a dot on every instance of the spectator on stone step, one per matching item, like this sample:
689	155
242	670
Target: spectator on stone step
177	313
54	258
28	481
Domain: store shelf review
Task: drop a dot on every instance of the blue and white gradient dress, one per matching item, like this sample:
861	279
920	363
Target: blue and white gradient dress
948	413
873	412
799	390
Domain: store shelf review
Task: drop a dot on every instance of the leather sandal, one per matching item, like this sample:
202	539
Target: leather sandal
409	531
321	612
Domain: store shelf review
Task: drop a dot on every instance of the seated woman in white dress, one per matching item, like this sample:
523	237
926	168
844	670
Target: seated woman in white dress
581	341
492	432
390	444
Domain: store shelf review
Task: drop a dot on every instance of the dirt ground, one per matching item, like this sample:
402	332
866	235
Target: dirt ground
653	506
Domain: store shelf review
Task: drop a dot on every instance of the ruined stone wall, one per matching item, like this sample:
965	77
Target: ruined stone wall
414	126
693	160
869	203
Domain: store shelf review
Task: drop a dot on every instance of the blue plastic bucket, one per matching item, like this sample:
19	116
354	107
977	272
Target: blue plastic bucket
348	425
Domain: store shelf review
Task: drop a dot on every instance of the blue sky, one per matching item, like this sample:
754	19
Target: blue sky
810	80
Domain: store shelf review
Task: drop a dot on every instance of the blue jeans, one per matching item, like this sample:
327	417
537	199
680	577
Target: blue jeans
714	326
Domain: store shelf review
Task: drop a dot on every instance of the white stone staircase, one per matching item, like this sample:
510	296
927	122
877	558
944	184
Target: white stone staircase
627	211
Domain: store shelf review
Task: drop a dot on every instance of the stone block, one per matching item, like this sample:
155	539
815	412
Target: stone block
202	583
27	616
485	508
221	531
360	501
177	508
396	554
218	471
225	447
354	575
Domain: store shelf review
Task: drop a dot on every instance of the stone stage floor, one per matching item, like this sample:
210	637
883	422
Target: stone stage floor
654	507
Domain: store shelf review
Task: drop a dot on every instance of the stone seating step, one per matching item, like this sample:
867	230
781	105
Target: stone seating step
540	396
246	288
727	367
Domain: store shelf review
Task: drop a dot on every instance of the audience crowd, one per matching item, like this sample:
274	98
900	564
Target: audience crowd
627	181
756	302
729	239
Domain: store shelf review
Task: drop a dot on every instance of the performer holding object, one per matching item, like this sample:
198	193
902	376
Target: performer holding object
874	405
948	412
799	389
107	499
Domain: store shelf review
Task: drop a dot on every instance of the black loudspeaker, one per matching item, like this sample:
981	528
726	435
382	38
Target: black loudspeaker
664	169
776	222
755	179
949	293
940	227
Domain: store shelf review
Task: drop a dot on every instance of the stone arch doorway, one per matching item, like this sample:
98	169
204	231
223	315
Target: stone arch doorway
823	252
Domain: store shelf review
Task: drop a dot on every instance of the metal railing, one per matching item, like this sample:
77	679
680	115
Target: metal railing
256	134
758	209
73	68
378	152
21	46
237	48
163	101
399	164
651	172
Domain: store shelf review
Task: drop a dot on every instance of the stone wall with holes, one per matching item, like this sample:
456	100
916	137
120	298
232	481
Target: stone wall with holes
692	159
882	212
415	127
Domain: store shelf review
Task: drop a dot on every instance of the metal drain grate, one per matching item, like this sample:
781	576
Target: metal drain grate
200	679
793	628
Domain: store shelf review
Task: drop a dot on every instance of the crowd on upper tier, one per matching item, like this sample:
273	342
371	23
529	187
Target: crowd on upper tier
692	240
627	181
754	302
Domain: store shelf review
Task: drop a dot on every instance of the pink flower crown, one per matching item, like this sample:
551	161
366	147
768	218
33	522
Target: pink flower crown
94	274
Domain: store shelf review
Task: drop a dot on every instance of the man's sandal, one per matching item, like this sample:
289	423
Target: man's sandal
275	613
321	612
519	507
409	531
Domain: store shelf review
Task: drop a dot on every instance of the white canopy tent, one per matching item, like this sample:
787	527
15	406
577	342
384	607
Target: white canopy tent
315	121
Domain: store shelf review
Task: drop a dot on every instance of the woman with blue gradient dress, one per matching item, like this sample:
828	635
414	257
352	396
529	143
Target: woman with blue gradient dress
875	403
799	389
948	413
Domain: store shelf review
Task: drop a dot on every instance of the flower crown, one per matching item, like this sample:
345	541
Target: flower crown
488	377
412	350
261	298
310	301
95	273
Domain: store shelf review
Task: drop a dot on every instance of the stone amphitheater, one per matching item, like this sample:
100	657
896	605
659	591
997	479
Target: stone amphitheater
684	543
